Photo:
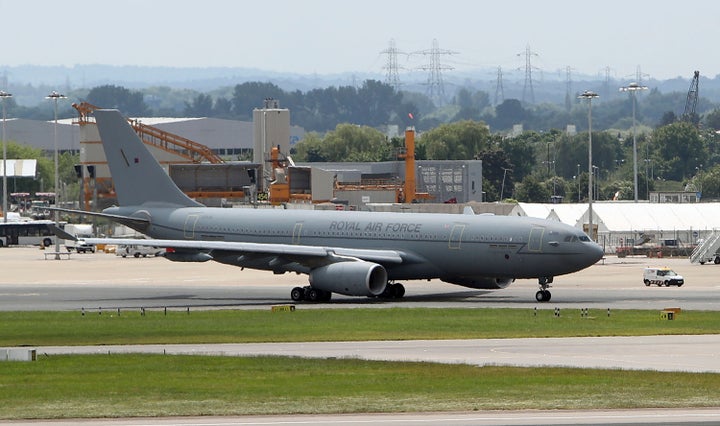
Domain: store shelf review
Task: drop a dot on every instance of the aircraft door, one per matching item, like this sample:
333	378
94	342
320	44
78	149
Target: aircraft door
297	231
190	223
535	240
456	236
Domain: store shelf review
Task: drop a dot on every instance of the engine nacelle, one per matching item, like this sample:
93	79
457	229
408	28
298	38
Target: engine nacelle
352	278
480	282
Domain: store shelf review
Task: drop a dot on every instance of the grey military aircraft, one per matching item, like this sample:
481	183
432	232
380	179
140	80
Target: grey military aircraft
351	253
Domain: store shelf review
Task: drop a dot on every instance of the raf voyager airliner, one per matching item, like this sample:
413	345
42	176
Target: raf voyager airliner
349	253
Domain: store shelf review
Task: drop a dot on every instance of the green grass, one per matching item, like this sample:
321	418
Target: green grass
237	326
158	385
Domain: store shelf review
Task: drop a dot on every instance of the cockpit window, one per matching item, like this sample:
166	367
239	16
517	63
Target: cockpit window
584	238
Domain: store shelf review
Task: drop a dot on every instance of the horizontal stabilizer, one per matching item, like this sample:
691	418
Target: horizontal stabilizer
60	233
136	223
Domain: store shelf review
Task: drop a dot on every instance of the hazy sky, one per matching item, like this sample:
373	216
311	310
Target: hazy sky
665	38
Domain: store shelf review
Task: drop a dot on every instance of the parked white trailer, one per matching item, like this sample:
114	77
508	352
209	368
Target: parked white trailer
80	231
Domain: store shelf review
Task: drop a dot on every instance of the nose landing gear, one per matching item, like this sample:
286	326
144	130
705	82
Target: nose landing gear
543	295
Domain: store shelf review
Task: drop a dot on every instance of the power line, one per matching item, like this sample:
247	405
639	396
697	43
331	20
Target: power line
499	92
436	88
528	74
568	88
391	67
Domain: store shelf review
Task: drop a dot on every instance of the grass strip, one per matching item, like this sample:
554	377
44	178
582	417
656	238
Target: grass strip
312	325
160	385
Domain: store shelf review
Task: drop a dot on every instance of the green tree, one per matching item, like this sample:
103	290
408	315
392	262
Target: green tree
347	142
356	143
462	140
508	113
222	108
309	149
201	106
677	151
532	190
128	102
712	119
45	171
708	182
250	95
494	166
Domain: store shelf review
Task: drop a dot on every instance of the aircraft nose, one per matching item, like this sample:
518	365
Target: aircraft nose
593	253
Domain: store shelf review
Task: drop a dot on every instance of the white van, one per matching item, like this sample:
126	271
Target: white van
662	277
137	251
80	231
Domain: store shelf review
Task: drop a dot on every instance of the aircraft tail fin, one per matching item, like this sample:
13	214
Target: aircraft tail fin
138	178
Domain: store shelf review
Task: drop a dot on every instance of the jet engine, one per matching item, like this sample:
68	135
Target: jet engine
480	282
352	278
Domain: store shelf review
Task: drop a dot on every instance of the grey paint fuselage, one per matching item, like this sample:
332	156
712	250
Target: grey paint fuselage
432	245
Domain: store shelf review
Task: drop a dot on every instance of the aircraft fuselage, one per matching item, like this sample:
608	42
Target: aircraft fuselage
436	245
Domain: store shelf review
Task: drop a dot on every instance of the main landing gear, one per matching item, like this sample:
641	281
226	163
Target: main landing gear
310	294
543	295
393	291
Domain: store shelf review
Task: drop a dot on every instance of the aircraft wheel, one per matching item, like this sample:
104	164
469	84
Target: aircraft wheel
543	296
399	291
297	294
389	292
312	295
325	296
717	260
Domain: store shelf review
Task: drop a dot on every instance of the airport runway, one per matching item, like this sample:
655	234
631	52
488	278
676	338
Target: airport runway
478	418
29	282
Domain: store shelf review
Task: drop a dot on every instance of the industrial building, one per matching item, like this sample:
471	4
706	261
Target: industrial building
200	155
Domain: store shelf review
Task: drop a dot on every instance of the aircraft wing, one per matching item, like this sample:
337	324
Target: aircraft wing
312	255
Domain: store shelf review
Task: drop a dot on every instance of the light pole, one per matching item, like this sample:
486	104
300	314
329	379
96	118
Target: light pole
502	187
578	181
589	95
596	177
54	96
632	88
4	95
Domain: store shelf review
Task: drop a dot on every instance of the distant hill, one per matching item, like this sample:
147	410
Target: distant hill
546	86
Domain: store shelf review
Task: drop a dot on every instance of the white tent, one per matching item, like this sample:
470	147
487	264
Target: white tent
19	168
622	222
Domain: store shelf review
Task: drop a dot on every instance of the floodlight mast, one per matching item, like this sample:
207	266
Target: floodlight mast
632	88
54	96
4	95
590	95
